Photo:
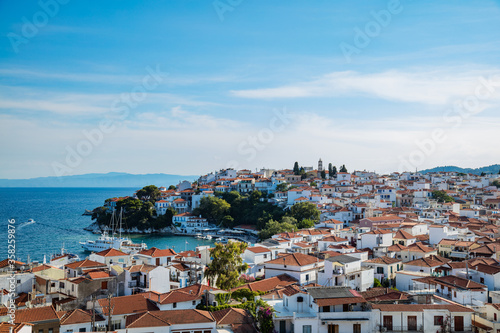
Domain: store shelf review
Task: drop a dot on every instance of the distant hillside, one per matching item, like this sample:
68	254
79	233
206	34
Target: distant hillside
488	169
112	179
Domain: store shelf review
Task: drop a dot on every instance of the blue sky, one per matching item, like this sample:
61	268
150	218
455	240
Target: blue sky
420	88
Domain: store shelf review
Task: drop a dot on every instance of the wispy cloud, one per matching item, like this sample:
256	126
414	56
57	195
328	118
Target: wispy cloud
435	87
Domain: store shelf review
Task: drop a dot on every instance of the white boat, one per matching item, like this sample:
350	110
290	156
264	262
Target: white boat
198	236
208	237
31	221
105	241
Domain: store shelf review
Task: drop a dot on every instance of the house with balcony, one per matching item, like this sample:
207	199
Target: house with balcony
454	288
255	256
425	318
188	223
346	271
300	266
144	278
384	267
155	256
321	309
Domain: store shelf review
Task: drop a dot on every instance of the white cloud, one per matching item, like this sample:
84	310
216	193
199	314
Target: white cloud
434	87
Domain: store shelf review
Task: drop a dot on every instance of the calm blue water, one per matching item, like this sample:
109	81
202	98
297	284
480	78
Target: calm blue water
58	220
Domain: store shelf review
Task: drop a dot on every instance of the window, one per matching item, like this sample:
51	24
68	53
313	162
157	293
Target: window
306	329
380	270
333	328
82	330
481	280
438	320
325	308
104	285
51	330
307	277
40	331
194	302
265	256
174	305
300	299
495	317
72	287
18	281
61	285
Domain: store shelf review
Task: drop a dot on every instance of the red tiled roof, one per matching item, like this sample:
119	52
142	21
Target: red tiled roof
294	259
111	253
156	252
127	304
84	263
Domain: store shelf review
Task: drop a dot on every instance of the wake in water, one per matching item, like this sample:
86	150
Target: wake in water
22	225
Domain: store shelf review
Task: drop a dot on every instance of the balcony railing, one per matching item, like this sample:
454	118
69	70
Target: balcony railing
135	284
396	329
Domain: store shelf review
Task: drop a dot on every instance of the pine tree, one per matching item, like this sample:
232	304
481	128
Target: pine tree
323	174
330	169
296	170
343	168
334	172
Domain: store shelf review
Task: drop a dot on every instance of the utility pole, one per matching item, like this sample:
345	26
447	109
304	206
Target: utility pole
110	311
93	313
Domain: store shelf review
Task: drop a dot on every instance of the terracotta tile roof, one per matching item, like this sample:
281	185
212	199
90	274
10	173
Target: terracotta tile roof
127	304
144	268
6	327
269	284
35	315
5	263
156	252
294	259
378	232
385	218
453	282
84	263
292	290
111	253
384	260
334	239
170	317
488	269
383	294
258	249
431	261
401	234
93	275
191	293
397	248
419	247
42	267
78	316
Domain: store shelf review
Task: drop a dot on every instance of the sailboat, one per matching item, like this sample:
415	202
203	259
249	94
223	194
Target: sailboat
106	241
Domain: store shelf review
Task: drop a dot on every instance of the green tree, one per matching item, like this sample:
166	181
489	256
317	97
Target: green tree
149	193
305	210
376	283
305	224
313	184
283	187
495	183
165	220
334	172
228	221
172	187
330	169
302	173
213	209
323	174
483	174
296	170
274	227
227	264
441	196
343	168
230	197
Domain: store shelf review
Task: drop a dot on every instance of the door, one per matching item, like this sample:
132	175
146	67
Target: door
282	326
459	323
412	323
388	322
356	328
333	328
157	261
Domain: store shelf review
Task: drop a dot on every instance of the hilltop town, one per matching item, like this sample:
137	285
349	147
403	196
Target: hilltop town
306	249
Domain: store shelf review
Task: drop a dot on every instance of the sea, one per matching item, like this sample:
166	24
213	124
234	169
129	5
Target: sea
59	222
